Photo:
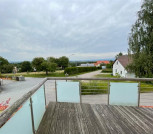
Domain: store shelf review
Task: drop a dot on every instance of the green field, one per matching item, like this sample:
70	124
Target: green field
41	74
36	74
101	87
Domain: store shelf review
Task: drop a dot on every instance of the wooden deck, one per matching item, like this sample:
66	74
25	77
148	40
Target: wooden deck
70	118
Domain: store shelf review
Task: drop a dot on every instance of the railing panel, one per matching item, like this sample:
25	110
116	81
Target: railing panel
68	92
38	104
20	123
123	94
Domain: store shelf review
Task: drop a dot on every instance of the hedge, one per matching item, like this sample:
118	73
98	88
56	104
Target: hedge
107	70
76	70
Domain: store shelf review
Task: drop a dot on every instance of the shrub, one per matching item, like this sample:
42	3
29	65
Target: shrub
107	70
76	70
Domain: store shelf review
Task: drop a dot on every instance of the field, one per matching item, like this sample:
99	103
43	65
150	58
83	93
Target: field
37	74
101	87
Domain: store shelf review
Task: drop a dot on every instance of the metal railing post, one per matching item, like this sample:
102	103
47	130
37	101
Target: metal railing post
44	94
80	92
108	91
55	91
139	88
32	117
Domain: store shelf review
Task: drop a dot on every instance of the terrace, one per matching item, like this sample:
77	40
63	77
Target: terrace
34	114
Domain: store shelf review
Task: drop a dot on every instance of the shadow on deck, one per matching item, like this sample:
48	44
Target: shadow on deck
75	118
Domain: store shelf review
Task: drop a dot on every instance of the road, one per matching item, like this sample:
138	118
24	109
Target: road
89	75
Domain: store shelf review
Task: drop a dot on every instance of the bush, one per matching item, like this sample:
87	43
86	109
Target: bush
107	70
76	70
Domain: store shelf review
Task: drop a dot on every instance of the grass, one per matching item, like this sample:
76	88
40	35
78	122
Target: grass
37	74
105	76
101	87
107	70
94	87
41	74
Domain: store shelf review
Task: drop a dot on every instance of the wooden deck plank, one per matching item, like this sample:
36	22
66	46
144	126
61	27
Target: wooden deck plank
72	118
123	120
130	120
137	120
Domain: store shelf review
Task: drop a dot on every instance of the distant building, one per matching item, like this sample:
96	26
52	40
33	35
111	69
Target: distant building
98	63
119	67
87	65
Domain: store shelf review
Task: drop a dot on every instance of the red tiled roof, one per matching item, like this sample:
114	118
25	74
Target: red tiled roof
105	62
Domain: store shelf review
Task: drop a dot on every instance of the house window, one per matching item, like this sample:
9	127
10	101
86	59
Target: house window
121	72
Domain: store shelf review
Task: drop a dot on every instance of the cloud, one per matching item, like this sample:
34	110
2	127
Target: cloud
54	28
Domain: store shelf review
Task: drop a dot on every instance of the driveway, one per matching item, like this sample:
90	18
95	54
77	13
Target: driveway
89	75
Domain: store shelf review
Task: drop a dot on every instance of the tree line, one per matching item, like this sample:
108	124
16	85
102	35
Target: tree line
49	64
141	42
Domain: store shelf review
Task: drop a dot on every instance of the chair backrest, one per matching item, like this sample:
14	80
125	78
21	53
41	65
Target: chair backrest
68	92
125	94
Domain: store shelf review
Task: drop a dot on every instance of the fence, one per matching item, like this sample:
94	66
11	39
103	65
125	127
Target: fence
28	111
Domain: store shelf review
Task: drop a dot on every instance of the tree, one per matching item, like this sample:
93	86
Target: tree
26	66
48	66
63	62
110	65
3	62
7	68
120	54
51	59
37	63
141	42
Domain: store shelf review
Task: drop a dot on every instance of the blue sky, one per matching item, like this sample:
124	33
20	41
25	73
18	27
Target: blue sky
88	29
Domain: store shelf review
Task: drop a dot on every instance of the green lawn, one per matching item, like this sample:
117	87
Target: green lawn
107	70
101	87
106	76
42	74
37	74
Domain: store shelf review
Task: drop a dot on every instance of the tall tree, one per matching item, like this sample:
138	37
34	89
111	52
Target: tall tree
63	62
37	63
26	66
120	54
51	59
141	41
48	66
3	62
7	68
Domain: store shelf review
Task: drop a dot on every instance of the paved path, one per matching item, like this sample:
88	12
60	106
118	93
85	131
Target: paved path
89	75
16	89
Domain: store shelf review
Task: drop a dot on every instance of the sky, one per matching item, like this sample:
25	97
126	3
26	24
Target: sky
78	29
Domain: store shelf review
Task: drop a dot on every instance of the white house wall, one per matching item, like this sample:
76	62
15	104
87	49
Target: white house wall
119	69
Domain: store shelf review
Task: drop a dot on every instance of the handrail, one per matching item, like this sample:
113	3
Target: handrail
105	79
5	115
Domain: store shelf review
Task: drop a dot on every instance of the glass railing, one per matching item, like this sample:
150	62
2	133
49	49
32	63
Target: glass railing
27	118
25	115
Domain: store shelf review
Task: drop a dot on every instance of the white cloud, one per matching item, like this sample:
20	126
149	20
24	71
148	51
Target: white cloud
92	29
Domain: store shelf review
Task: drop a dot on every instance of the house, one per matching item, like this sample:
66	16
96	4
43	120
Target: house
98	63
119	67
